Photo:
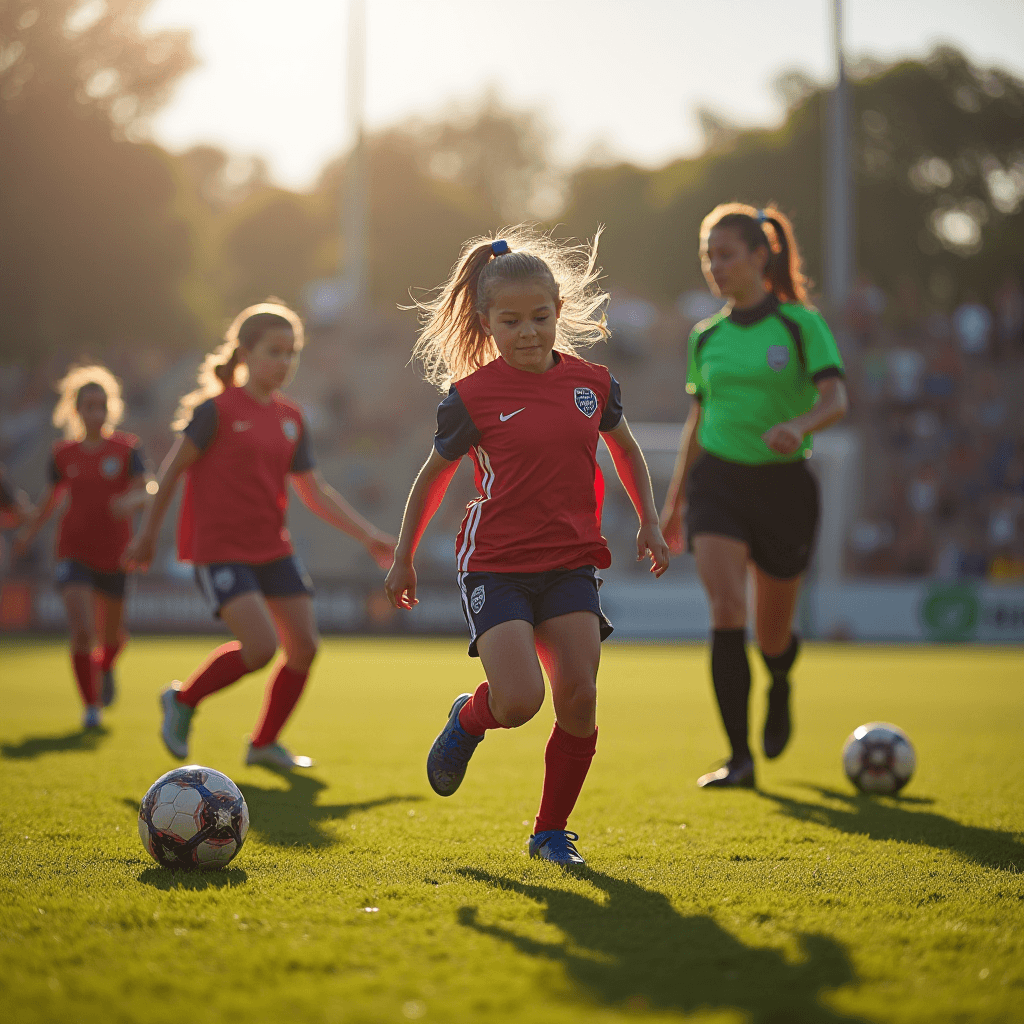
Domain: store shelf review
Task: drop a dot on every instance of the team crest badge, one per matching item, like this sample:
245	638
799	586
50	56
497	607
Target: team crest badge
778	357
291	429
586	401
477	598
110	466
224	579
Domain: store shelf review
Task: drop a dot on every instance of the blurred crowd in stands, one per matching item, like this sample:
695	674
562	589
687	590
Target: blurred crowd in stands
935	403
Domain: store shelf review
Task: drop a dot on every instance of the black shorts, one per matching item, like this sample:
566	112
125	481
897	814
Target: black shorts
220	582
71	572
772	508
490	598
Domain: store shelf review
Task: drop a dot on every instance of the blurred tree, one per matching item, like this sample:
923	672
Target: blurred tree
939	180
92	249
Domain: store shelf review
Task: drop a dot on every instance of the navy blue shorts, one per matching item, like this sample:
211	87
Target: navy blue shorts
220	582
490	598
70	572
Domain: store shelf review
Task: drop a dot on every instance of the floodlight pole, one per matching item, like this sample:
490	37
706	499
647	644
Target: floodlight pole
355	196
839	262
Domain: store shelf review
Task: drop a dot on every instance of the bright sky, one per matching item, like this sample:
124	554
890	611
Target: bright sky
621	77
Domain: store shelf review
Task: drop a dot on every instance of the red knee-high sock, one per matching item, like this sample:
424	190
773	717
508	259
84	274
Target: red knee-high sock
106	655
566	763
85	676
475	716
282	695
222	668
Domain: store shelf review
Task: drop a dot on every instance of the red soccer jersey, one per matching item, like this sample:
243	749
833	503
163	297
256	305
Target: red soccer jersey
89	532
236	493
533	441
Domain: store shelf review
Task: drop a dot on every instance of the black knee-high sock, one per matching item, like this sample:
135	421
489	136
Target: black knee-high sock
780	664
730	672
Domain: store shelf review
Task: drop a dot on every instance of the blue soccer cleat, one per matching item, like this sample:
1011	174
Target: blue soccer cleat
177	720
557	847
92	718
451	751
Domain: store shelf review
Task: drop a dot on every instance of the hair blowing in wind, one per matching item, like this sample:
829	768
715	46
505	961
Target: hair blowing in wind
452	343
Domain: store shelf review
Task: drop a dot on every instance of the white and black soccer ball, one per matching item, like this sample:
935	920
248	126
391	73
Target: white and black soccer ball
193	817
879	758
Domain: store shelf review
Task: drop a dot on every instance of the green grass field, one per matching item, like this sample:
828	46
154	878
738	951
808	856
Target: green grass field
360	896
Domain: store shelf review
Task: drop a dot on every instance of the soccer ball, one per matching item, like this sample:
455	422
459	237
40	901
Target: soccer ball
879	758
193	817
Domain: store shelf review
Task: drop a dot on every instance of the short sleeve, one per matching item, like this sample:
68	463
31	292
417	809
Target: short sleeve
823	358
694	380
202	428
136	463
303	459
55	472
612	415
456	431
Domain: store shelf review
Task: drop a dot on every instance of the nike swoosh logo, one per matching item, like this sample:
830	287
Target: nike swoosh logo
503	417
240	425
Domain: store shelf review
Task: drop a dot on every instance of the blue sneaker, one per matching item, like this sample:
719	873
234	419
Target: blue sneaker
557	847
450	753
92	719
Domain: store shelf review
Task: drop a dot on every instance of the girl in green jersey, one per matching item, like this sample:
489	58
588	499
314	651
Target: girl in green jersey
765	374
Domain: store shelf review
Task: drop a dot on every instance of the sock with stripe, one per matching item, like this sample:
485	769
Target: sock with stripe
282	695
566	763
222	668
85	677
475	716
730	672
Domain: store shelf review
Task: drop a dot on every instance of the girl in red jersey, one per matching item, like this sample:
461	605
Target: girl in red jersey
241	441
99	473
528	411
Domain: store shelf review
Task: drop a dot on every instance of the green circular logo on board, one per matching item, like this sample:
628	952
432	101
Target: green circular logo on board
950	613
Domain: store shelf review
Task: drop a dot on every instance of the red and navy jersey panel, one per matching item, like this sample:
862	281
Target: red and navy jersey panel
533	441
236	493
91	476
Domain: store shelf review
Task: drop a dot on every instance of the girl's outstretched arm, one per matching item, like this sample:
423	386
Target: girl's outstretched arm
35	521
425	498
632	470
324	501
675	500
142	547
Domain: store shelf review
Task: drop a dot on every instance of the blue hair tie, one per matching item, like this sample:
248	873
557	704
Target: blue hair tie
761	216
500	247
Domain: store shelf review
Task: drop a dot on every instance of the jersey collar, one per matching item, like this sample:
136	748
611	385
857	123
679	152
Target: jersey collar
755	314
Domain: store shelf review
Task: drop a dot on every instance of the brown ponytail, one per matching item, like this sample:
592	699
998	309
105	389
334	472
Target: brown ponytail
452	342
783	270
225	372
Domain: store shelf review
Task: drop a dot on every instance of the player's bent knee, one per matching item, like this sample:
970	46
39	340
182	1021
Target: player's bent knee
257	655
518	709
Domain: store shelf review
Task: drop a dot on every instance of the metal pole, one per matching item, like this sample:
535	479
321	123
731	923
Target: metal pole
839	225
353	269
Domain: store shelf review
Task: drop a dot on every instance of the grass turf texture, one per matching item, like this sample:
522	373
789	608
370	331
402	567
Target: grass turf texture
360	896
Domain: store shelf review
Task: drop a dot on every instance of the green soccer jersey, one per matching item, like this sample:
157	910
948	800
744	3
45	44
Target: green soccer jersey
754	368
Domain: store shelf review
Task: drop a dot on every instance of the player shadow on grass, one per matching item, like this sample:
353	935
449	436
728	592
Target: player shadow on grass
892	818
636	951
36	746
290	817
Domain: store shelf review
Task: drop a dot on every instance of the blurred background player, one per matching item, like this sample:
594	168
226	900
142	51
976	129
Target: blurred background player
766	373
241	442
15	507
98	477
528	411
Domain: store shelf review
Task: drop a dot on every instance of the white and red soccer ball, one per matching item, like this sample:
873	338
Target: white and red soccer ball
193	818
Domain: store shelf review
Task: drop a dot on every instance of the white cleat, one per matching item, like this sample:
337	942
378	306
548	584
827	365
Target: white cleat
176	723
273	755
